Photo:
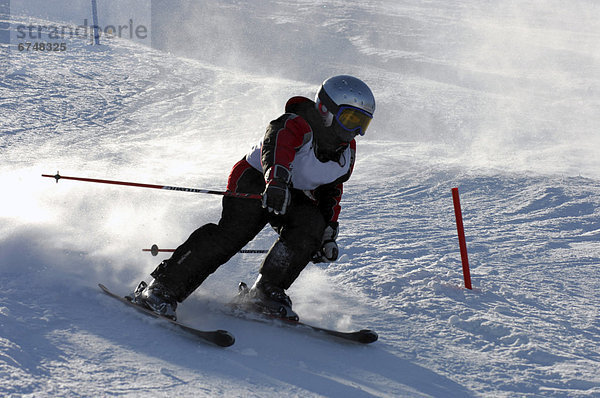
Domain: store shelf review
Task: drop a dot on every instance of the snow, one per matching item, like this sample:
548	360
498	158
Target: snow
499	99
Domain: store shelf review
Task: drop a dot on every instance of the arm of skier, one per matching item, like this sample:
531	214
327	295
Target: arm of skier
283	138
329	197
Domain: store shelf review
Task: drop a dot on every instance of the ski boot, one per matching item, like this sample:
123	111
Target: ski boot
268	299
156	297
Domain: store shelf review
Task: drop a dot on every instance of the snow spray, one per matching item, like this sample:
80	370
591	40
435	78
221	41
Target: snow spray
461	238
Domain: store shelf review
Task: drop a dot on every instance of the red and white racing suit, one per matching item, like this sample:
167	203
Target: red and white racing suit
316	190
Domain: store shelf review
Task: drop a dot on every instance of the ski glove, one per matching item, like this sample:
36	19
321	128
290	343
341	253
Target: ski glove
329	249
276	196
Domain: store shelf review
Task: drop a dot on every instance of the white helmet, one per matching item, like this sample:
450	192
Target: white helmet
347	102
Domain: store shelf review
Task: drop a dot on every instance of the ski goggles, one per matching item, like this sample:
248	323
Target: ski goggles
354	121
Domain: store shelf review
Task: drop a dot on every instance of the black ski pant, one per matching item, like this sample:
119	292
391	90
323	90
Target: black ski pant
300	234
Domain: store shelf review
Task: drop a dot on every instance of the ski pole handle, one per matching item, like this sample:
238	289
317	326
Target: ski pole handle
57	177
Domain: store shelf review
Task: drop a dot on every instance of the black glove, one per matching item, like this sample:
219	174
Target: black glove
276	196
329	251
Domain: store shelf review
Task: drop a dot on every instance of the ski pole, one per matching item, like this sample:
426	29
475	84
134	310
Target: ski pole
57	177
155	250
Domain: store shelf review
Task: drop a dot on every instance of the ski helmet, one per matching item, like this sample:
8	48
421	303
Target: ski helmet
347	104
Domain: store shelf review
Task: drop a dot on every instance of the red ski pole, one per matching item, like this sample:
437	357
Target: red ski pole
461	238
164	187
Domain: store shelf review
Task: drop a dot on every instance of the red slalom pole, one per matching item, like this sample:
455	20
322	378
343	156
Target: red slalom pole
461	238
165	187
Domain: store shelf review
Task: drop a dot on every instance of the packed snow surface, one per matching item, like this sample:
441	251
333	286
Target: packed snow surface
500	99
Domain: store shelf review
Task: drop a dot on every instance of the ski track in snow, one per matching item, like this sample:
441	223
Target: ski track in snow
447	117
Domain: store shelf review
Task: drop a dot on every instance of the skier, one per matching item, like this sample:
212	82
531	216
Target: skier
299	167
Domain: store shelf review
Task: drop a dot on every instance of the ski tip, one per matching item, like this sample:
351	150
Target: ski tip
367	336
224	338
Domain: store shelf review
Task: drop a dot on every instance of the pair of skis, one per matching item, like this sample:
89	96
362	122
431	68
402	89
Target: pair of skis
223	338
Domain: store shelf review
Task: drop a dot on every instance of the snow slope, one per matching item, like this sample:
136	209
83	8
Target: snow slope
501	100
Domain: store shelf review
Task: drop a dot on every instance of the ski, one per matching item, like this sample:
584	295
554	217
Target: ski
245	310
363	336
221	338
